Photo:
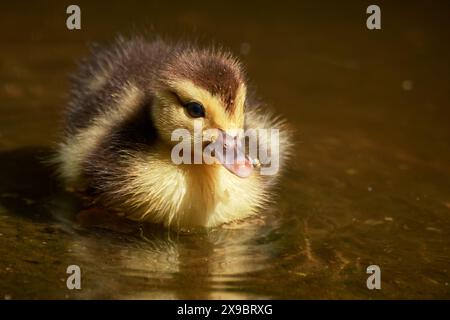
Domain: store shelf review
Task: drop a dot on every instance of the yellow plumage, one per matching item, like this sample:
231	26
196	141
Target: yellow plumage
139	179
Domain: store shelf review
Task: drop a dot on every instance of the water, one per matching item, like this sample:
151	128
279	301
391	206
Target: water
369	184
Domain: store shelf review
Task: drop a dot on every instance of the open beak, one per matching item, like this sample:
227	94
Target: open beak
230	152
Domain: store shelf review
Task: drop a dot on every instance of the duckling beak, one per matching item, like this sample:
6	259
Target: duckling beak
229	151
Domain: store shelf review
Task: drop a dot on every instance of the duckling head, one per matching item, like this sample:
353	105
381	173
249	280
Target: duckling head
206	89
207	86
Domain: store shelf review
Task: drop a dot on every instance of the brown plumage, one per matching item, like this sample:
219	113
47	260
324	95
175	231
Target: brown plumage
217	72
127	101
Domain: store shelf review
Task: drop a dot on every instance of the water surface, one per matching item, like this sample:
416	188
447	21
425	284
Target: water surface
369	183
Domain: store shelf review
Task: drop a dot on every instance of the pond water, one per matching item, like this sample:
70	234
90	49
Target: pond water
369	183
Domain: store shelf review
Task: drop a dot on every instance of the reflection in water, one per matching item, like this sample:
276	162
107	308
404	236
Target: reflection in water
196	265
370	183
162	264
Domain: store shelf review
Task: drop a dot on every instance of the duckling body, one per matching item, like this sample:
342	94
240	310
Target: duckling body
126	102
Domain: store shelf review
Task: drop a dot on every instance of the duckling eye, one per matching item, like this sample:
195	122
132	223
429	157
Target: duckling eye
195	109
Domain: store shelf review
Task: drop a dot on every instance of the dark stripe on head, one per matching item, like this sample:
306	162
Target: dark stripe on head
217	72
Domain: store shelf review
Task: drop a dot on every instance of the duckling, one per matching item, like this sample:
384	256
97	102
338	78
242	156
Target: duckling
127	100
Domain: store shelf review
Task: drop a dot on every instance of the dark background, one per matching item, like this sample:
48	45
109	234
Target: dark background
369	183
